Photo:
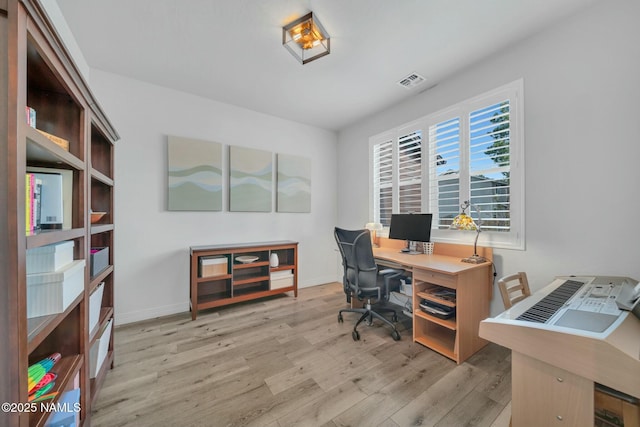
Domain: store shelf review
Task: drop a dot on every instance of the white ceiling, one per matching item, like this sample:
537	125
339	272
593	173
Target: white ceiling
231	50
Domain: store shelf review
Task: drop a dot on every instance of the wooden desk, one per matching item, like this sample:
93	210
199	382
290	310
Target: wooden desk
456	338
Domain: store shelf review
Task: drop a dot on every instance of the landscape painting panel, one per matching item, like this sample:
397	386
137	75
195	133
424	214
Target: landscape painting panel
250	180
294	184
195	175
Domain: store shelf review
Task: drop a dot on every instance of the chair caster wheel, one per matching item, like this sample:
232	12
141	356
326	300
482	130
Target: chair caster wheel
340	319
355	335
395	335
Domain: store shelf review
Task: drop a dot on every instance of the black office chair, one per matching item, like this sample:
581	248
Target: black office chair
362	279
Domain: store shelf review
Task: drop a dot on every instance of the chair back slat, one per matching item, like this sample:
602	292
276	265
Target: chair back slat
514	288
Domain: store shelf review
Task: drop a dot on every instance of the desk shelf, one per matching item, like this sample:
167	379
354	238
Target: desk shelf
447	323
468	291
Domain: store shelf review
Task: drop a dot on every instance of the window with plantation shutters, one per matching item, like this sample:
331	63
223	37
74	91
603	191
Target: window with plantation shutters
471	151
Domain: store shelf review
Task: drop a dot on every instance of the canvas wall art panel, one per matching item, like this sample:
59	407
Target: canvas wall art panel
194	175
294	184
250	180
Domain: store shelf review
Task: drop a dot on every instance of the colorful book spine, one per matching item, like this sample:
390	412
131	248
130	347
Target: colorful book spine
28	184
31	116
33	189
37	191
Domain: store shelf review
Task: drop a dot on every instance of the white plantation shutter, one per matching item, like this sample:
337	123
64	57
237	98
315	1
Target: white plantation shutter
410	172
383	181
444	167
489	164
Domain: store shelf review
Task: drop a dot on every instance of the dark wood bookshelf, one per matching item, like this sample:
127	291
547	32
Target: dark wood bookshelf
40	74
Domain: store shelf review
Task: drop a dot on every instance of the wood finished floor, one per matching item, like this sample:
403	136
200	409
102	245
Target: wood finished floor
284	361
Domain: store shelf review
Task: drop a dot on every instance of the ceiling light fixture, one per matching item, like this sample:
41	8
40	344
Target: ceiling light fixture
306	39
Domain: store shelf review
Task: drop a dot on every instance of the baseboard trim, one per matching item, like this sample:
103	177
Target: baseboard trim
150	313
169	310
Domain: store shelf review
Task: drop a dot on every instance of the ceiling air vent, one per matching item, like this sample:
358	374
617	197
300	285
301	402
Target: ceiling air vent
411	80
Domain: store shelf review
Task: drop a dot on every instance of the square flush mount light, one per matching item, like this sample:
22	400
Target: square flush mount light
306	39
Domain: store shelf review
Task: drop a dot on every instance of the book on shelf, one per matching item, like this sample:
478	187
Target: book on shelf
61	142
31	116
44	201
67	191
33	187
28	186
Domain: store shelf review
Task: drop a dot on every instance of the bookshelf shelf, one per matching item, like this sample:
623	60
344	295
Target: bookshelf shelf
39	328
96	382
48	237
40	75
106	313
101	228
99	176
41	151
66	369
100	277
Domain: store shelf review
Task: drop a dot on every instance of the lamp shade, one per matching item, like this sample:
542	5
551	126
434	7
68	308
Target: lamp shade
306	39
373	226
463	222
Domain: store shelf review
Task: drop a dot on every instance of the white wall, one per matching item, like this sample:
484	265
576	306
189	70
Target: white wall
582	144
152	244
55	14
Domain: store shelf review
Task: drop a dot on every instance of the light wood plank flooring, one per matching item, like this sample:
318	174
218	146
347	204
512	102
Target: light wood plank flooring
284	361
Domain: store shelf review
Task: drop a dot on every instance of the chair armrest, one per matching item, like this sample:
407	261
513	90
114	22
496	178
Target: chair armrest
389	273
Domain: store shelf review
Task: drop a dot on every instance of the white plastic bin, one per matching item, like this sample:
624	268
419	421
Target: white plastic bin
99	350
49	258
281	279
51	293
95	304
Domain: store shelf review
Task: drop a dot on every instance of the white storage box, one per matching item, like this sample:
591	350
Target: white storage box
213	266
95	304
99	350
47	259
281	279
51	293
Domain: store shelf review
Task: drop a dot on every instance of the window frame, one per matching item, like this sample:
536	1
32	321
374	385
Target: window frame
512	239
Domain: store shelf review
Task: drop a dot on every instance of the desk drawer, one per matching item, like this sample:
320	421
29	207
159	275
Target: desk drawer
450	281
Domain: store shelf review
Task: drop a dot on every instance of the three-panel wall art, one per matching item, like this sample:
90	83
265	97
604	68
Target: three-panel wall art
195	178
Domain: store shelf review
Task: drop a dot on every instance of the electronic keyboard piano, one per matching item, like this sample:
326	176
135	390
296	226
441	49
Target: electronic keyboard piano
575	332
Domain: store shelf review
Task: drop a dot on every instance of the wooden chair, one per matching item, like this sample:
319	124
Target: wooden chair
513	292
513	288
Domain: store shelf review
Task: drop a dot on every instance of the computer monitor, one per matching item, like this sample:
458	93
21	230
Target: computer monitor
411	227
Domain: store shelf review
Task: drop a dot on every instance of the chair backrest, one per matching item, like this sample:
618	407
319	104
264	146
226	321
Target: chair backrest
514	288
360	268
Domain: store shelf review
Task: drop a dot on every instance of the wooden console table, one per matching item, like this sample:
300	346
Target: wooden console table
226	274
457	337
